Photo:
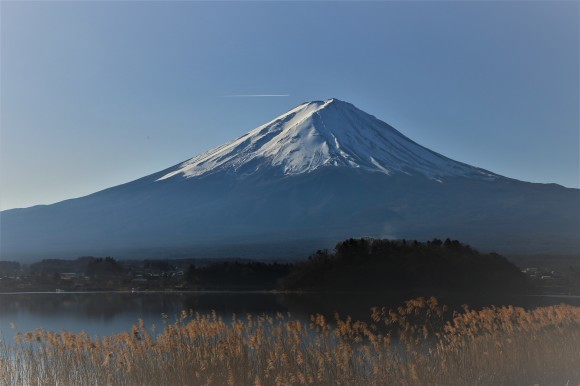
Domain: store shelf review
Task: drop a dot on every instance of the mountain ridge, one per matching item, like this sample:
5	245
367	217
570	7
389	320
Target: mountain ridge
277	191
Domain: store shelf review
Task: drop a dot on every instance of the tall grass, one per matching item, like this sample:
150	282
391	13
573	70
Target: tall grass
421	343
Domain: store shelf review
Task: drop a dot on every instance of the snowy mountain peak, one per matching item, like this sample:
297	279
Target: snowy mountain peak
329	133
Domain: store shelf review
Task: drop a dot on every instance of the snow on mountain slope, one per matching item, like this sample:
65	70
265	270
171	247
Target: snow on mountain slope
328	133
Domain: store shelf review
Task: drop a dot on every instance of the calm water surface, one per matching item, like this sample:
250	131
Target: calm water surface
107	313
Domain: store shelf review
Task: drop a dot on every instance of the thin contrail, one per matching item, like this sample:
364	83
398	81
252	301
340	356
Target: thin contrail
256	95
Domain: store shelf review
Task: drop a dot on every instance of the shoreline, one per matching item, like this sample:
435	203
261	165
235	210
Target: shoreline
436	293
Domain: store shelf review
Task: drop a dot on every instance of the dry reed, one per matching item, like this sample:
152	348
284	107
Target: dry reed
420	343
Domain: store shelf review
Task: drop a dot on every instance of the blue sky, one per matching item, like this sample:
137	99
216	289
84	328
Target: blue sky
94	94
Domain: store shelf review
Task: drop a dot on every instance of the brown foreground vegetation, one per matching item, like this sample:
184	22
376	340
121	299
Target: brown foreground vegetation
421	343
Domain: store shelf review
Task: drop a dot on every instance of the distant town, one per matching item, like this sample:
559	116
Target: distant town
106	274
89	274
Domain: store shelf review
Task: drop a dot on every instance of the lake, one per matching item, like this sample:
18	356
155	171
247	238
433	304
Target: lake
106	313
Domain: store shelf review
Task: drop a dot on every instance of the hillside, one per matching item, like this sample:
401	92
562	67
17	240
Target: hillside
369	265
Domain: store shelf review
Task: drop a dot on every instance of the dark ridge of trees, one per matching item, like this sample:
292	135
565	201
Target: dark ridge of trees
237	276
9	268
355	265
375	265
105	268
52	266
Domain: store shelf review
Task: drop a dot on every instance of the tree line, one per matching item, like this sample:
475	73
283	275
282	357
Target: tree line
354	265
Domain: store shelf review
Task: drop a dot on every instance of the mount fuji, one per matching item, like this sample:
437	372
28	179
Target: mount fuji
325	134
321	172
